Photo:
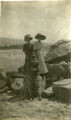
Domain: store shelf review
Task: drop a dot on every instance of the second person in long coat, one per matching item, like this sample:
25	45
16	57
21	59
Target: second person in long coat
38	47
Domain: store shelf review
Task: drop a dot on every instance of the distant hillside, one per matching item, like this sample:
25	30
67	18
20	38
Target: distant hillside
11	47
10	41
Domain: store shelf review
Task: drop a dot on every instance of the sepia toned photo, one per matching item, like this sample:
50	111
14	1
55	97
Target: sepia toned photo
35	66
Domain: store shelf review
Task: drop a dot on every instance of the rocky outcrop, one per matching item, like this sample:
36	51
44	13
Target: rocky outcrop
59	51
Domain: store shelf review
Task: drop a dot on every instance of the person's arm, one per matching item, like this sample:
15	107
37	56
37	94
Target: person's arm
35	46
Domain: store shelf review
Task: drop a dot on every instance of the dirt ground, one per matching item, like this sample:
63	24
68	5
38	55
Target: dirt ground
13	108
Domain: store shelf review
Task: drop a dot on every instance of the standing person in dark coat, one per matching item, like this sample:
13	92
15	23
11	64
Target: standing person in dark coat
28	50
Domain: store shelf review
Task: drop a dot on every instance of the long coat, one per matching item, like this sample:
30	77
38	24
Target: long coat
28	50
38	47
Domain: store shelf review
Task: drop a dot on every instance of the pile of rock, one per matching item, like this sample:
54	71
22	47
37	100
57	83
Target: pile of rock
11	81
15	81
58	61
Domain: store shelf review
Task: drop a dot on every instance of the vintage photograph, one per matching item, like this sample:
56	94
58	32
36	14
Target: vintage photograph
35	66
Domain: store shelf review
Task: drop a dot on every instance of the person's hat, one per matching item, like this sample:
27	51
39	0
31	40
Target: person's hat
40	36
28	37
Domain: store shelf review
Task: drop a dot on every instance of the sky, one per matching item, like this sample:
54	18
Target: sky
52	19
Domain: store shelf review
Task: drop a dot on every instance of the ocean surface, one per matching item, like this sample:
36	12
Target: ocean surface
11	60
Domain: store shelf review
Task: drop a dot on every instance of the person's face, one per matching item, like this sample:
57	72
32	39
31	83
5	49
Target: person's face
39	40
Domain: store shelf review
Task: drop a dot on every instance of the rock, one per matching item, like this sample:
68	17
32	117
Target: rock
62	90
15	80
48	92
49	81
21	69
3	74
57	71
17	84
4	89
2	84
58	50
18	75
14	74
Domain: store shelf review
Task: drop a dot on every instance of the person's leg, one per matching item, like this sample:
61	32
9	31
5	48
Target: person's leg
40	92
43	81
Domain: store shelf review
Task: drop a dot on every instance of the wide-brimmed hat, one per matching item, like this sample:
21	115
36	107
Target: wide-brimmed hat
40	36
28	37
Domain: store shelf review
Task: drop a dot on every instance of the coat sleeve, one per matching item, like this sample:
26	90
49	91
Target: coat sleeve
35	46
24	48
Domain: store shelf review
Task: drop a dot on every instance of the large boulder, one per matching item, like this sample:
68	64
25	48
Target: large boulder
17	84
48	92
58	51
62	90
15	80
58	70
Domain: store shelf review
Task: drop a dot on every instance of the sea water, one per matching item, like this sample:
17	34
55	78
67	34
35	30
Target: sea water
11	60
